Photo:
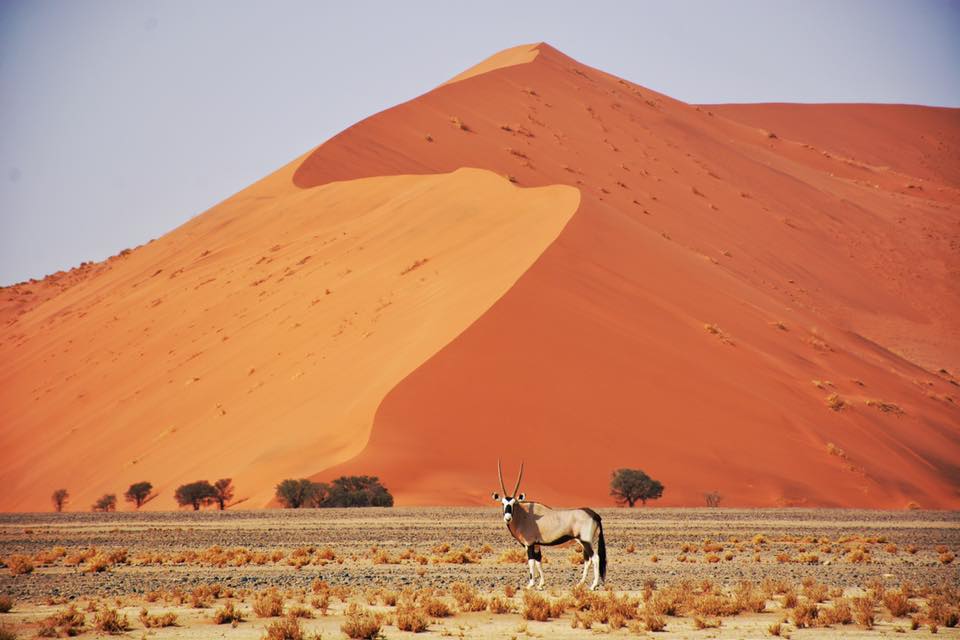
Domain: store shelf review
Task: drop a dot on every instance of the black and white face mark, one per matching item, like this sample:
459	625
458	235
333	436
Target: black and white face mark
508	503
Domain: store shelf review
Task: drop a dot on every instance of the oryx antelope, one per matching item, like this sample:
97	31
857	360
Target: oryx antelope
534	525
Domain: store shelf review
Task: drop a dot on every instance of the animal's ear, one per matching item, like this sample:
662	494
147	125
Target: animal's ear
496	497
521	497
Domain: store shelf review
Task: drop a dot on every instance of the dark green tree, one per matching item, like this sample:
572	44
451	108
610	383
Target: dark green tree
107	502
629	485
195	494
138	493
59	498
223	488
358	491
294	494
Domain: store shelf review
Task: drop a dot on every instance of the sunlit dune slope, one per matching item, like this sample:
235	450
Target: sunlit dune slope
720	283
256	341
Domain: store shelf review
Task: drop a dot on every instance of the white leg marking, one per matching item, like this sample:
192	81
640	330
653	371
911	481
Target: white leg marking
586	567
540	570
596	570
532	566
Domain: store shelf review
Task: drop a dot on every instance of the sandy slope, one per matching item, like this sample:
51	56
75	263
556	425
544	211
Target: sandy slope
256	341
599	356
831	263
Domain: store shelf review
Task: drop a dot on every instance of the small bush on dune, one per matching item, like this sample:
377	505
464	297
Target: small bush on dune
6	604
359	623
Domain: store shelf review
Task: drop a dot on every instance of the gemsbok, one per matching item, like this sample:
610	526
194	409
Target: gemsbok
534	525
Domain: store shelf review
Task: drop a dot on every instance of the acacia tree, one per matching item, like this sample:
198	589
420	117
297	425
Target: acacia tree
106	502
713	498
358	491
629	485
138	493
294	494
223	489
319	495
195	494
59	498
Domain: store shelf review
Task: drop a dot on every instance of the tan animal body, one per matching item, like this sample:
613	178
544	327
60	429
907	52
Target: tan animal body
534	525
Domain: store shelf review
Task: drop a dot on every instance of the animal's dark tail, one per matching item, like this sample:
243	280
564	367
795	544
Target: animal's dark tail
602	550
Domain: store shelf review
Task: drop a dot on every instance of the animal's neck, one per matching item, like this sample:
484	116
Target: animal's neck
518	520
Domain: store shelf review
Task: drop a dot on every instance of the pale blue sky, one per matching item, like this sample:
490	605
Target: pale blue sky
119	120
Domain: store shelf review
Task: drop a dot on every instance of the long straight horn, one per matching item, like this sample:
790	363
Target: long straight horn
500	475
519	477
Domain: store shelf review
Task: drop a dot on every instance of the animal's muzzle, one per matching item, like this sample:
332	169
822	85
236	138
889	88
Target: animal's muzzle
508	513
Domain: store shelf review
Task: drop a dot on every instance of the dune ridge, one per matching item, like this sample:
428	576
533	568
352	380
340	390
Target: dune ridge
720	282
256	341
755	301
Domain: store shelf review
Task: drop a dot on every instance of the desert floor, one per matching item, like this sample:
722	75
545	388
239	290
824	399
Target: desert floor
683	567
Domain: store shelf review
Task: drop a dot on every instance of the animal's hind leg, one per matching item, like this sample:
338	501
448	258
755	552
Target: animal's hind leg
596	566
587	556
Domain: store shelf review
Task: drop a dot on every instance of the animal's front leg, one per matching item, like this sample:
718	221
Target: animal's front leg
538	558
532	566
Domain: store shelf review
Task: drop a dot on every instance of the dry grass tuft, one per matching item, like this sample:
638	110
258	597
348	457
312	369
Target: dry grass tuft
535	607
68	622
467	597
289	628
839	613
359	623
863	611
110	621
411	618
157	621
899	603
498	605
268	604
513	556
19	565
435	607
228	614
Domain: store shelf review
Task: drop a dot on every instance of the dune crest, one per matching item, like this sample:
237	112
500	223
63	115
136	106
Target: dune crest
257	340
521	54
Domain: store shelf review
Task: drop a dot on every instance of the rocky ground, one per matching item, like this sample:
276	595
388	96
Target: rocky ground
139	556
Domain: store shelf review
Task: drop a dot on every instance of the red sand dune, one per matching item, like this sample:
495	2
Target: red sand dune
721	260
